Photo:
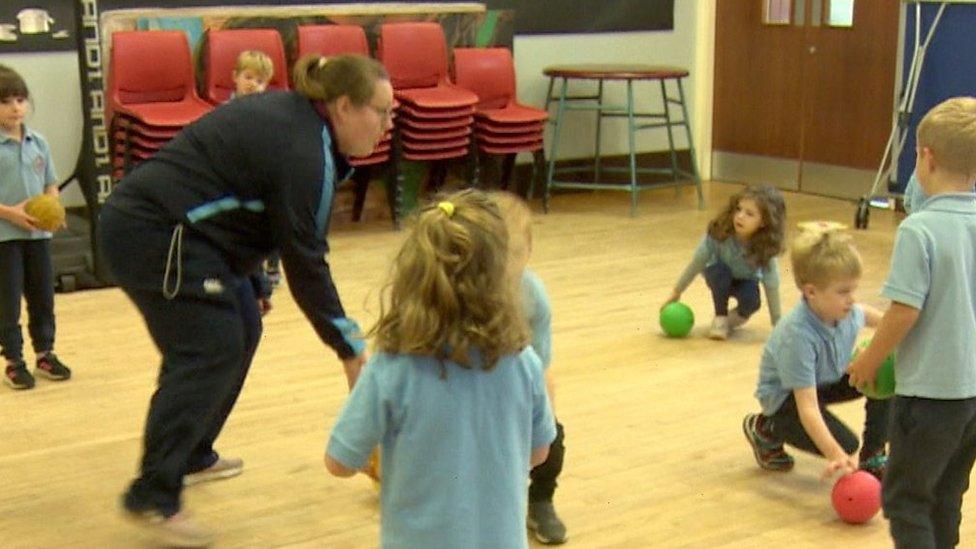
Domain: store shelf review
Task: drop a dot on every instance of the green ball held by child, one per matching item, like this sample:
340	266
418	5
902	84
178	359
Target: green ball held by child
884	380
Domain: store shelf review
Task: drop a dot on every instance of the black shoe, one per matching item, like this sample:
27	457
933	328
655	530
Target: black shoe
18	377
50	367
545	523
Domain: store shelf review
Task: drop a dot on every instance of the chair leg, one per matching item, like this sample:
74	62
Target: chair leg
538	165
394	192
474	166
508	164
361	179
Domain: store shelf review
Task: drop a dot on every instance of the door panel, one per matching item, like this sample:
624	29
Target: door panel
757	82
850	75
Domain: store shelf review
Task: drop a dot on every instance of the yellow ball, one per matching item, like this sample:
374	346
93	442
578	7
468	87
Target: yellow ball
47	210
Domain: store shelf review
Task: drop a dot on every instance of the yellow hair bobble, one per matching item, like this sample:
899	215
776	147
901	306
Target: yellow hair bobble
446	207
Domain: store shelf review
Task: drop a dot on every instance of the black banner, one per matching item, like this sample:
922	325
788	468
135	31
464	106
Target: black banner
579	16
37	25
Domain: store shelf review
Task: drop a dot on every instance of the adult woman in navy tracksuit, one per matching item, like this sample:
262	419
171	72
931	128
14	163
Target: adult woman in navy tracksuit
182	232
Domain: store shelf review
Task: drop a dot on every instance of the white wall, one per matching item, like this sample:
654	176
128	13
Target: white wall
54	83
679	47
55	88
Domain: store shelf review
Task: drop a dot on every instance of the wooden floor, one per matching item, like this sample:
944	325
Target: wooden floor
655	454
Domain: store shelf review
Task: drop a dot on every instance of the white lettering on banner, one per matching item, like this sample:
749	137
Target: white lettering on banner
101	144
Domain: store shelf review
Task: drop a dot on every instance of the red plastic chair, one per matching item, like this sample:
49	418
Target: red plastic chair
415	55
332	40
505	126
490	73
223	47
152	100
157	93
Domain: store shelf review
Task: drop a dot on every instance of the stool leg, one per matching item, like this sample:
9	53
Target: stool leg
667	124
508	163
555	143
599	123
631	129
691	147
552	80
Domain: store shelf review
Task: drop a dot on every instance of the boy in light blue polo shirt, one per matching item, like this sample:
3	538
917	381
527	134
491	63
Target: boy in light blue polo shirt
803	363
932	321
26	171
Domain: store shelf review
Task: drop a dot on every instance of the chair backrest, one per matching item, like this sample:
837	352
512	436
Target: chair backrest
332	40
149	67
415	54
223	47
488	72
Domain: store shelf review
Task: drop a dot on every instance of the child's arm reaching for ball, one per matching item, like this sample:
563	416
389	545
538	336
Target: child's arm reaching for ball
813	423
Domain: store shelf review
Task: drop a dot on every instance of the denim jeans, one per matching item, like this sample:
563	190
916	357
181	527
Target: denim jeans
745	291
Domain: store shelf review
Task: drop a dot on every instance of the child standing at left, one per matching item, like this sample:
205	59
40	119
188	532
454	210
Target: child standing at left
26	170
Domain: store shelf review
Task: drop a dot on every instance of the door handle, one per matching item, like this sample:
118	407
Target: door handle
812	49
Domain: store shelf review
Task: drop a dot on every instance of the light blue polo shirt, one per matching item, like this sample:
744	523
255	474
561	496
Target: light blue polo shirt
802	352
26	170
456	446
535	301
933	267
731	253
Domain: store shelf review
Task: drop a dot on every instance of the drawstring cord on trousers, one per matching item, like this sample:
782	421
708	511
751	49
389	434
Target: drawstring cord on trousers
175	242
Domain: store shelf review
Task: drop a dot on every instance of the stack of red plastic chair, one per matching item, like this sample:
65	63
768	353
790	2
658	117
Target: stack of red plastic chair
435	116
503	126
223	47
151	93
331	40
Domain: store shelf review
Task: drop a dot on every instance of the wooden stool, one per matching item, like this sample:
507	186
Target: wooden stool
629	73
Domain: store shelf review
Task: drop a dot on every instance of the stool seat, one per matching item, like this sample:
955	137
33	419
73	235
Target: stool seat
615	71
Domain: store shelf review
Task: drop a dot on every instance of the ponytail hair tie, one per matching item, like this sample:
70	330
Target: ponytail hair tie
446	207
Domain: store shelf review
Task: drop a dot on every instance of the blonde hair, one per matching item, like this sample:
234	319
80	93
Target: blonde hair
822	257
448	294
518	220
329	78
949	130
255	60
768	241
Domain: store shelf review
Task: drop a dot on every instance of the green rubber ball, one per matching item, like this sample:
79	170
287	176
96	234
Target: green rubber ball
677	319
884	381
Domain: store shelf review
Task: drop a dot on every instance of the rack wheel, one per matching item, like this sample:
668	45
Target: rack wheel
863	213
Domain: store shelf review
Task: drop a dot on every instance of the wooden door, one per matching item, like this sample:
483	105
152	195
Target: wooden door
849	76
805	105
757	103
